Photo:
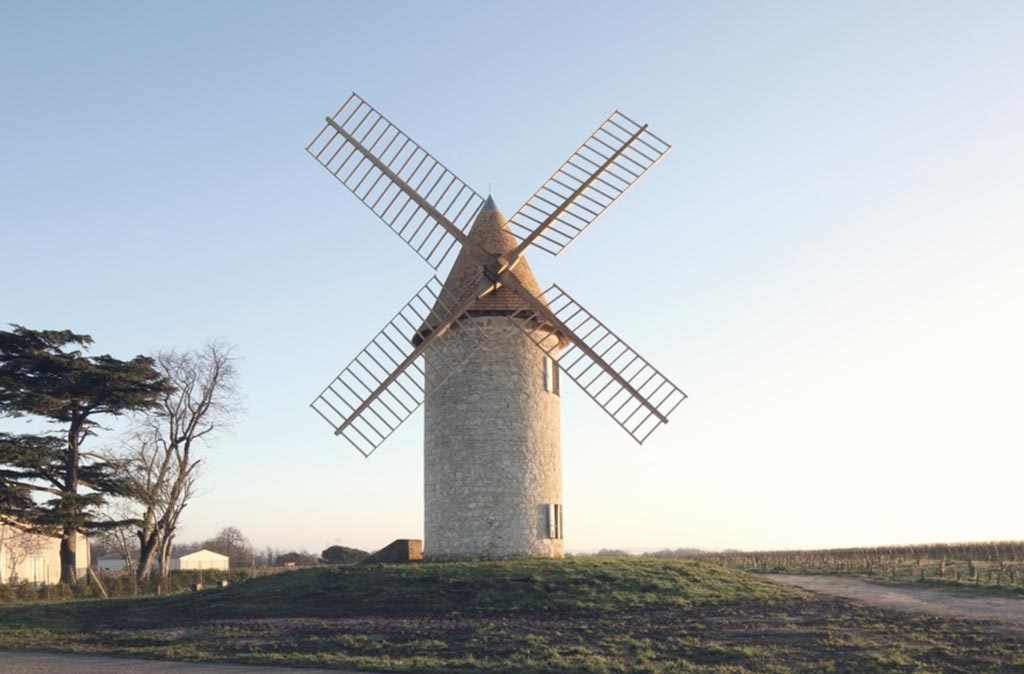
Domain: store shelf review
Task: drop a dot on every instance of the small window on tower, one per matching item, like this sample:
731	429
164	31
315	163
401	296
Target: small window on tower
550	375
555	520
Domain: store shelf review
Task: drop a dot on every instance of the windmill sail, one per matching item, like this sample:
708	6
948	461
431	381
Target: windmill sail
432	210
617	378
385	383
591	179
415	195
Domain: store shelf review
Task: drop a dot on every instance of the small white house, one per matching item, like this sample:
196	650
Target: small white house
111	563
200	559
36	558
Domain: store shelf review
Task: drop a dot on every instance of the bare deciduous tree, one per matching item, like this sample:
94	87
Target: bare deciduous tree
120	537
230	541
162	459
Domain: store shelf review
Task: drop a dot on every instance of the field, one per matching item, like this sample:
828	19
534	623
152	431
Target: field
580	615
996	567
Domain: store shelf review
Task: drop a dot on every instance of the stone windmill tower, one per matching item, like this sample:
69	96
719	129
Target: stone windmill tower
492	450
484	348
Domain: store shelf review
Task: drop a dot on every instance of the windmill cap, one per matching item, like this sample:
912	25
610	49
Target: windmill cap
490	230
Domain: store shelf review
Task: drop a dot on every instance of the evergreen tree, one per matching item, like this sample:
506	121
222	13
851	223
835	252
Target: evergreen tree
44	375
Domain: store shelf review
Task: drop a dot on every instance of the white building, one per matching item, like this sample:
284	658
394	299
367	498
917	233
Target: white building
111	563
36	558
200	559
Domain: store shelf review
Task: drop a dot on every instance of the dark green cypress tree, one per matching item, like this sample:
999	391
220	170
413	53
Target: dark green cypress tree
47	484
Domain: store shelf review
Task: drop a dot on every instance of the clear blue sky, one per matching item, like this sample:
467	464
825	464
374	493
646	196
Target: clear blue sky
829	261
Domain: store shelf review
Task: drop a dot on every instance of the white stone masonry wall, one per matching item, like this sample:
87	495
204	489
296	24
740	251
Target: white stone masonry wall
492	449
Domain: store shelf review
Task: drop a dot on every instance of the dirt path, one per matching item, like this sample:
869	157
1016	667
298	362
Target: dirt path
1006	610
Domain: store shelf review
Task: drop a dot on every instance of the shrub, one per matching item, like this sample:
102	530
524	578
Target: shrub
339	554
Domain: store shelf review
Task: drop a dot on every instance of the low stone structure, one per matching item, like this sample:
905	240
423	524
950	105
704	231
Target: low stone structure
400	551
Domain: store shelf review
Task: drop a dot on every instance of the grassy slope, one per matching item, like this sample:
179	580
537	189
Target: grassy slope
601	615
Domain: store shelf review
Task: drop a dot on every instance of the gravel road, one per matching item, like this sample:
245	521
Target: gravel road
1007	610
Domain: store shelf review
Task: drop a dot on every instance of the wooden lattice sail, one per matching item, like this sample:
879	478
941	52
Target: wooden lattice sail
450	326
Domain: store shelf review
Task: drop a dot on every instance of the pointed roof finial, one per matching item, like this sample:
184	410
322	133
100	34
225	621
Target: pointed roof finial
489	205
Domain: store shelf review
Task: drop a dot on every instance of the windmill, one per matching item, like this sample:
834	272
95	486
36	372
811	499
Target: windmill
483	349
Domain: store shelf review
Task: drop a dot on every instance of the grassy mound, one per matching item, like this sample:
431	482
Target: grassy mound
586	615
524	587
517	587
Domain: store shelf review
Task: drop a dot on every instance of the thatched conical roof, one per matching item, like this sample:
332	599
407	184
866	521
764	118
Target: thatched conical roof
490	230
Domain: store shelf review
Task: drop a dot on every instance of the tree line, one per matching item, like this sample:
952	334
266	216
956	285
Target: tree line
233	544
55	480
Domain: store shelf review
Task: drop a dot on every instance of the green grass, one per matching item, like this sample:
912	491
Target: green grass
530	616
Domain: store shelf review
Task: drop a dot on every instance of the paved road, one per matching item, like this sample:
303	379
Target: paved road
63	663
1008	610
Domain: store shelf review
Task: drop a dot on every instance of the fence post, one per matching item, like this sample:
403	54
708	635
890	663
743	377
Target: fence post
99	583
